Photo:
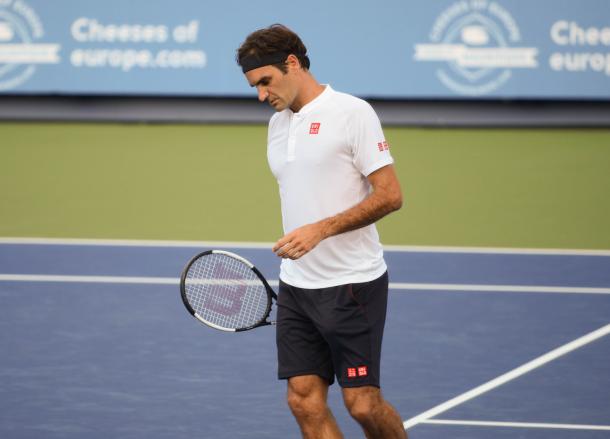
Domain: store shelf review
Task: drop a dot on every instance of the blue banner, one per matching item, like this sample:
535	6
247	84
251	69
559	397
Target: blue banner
547	49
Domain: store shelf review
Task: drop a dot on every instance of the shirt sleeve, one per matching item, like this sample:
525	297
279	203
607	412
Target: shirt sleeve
370	150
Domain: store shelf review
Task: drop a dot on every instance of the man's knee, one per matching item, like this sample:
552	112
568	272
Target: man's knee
363	403
307	396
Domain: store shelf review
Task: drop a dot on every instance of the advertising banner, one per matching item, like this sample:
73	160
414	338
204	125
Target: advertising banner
396	49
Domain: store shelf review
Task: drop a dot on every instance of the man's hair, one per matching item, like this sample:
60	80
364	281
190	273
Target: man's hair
271	40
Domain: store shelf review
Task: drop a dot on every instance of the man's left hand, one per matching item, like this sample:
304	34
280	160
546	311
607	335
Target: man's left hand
299	242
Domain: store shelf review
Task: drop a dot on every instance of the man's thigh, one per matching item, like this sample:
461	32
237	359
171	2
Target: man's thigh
301	348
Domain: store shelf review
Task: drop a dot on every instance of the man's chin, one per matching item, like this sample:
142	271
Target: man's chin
278	106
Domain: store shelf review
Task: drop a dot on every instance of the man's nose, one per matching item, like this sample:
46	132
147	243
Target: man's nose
262	94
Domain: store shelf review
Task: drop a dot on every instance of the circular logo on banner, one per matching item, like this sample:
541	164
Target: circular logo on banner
20	52
477	42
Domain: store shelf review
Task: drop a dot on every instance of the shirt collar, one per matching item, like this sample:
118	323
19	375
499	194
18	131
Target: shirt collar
316	101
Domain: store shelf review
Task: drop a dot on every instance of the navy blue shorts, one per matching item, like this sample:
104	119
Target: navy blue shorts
334	331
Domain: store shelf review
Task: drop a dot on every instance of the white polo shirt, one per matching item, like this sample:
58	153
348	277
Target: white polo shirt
321	157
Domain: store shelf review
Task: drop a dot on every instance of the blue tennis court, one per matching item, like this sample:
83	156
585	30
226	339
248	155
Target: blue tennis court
499	343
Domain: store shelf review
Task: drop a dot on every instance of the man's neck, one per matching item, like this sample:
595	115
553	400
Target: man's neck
309	90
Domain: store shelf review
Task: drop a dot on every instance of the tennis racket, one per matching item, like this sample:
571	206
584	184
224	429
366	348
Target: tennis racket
226	292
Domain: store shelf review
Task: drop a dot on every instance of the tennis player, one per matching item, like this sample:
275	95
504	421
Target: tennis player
336	179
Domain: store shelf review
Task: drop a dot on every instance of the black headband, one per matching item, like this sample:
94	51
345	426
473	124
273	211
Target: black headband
251	62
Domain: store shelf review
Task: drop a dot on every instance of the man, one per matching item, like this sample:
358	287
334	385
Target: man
336	179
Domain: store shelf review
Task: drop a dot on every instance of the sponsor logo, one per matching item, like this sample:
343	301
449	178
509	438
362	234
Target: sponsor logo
383	146
123	46
314	128
478	43
579	48
21	49
228	299
357	372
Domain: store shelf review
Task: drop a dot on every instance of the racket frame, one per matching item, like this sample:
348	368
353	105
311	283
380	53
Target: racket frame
271	296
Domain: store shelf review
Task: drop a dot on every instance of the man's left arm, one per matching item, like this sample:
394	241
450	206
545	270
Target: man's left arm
384	198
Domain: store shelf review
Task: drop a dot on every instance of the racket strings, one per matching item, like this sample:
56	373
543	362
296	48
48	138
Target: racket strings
226	292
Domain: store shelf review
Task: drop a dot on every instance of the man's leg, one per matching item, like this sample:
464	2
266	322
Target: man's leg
307	396
376	416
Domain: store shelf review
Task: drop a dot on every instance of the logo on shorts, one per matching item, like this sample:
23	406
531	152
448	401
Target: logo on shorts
363	371
357	372
314	128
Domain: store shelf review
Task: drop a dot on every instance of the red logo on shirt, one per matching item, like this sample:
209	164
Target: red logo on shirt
383	146
314	128
362	371
351	372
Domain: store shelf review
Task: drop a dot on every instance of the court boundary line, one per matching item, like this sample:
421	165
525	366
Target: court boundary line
508	376
59	278
268	245
7	277
516	424
481	288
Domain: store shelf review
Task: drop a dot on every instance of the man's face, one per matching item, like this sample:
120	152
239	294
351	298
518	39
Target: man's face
274	86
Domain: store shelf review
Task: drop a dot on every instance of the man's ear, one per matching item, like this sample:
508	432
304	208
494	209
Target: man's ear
292	62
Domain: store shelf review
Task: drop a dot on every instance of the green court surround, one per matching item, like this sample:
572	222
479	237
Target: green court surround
533	188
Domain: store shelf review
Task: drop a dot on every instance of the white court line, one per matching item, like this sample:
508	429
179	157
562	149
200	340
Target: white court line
89	279
499	288
509	376
275	282
97	279
495	250
136	243
517	424
268	245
